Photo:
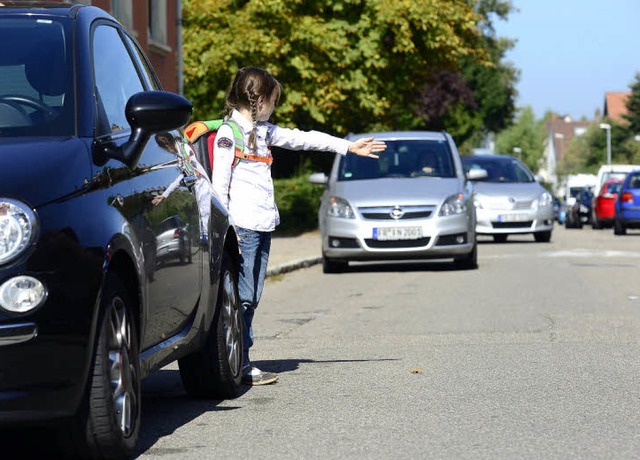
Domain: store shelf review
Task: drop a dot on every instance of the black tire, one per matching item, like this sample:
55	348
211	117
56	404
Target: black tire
215	371
542	237
500	238
334	265
596	224
469	261
618	227
108	422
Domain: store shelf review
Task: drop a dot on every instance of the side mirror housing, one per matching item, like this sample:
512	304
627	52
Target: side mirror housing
477	174
319	178
148	113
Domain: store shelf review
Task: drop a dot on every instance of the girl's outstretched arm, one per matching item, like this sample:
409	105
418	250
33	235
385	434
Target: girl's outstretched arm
367	147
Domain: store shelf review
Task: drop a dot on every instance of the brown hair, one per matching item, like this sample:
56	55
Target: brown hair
249	84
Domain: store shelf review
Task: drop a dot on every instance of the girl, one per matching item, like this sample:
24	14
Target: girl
246	189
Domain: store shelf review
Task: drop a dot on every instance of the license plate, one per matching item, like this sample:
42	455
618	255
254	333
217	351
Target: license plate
397	233
513	217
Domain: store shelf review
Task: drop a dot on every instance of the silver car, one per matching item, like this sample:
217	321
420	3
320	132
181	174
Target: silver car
413	203
509	200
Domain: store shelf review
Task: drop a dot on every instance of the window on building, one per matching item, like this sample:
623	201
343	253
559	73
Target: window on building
122	10
158	21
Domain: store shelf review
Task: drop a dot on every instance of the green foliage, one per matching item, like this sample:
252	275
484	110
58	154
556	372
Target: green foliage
298	202
633	107
346	65
528	135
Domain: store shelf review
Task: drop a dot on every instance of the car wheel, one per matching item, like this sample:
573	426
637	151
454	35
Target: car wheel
469	261
618	228
501	238
108	423
334	265
542	237
214	371
596	224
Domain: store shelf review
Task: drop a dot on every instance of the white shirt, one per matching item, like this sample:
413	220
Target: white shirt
246	190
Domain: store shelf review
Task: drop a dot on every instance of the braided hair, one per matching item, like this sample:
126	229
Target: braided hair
249	84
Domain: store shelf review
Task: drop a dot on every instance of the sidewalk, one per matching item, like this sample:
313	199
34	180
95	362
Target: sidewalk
290	253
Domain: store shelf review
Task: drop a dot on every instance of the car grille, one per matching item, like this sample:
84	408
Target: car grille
525	224
503	204
396	212
397	244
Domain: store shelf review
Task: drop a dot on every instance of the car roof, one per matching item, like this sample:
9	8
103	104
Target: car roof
401	135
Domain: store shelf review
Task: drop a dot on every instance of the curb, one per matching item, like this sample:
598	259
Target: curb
295	265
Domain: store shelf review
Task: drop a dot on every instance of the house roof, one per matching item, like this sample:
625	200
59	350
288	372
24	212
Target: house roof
615	105
562	130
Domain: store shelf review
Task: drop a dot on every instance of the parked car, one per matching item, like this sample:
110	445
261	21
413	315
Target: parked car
559	210
579	213
412	203
82	320
509	200
627	206
603	209
174	240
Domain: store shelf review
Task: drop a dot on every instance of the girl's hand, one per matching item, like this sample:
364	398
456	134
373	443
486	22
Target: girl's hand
367	147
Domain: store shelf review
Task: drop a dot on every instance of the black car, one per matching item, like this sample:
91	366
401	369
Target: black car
86	313
579	213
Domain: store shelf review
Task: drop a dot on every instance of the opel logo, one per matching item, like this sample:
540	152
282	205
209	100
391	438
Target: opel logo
512	199
396	213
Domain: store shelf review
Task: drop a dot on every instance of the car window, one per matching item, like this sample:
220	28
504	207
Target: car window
614	188
116	79
143	64
401	159
36	78
498	169
634	181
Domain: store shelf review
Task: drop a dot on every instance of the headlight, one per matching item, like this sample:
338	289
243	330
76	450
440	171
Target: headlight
455	204
17	228
477	203
545	199
340	208
22	294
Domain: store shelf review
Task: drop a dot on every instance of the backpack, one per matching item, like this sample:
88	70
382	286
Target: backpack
202	134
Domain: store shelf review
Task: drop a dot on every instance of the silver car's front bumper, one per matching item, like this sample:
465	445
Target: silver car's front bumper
492	222
352	239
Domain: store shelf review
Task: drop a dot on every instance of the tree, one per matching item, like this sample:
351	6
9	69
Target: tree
633	108
346	65
527	135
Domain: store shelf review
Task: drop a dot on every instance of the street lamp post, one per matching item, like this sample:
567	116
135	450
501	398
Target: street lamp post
607	127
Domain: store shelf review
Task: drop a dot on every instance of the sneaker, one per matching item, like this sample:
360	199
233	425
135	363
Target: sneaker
255	376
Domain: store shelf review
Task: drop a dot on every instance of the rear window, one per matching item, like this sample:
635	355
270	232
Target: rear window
36	96
401	159
499	169
634	181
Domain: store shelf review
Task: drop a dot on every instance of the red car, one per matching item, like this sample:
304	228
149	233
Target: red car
603	205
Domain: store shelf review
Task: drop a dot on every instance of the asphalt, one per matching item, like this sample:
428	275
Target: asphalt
290	253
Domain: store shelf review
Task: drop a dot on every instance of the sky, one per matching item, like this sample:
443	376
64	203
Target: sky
570	52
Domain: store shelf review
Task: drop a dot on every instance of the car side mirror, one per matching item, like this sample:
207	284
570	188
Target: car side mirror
477	174
148	113
319	178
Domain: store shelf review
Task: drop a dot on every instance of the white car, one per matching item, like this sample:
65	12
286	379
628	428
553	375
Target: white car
414	202
509	199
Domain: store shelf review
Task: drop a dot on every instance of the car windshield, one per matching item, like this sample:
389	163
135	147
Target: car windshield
36	96
401	159
614	187
499	169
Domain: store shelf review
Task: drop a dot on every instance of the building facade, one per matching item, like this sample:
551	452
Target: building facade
156	25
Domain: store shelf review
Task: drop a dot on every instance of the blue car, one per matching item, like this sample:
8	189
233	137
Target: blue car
627	205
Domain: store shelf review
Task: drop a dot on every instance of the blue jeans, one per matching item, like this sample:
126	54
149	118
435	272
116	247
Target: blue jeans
254	255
